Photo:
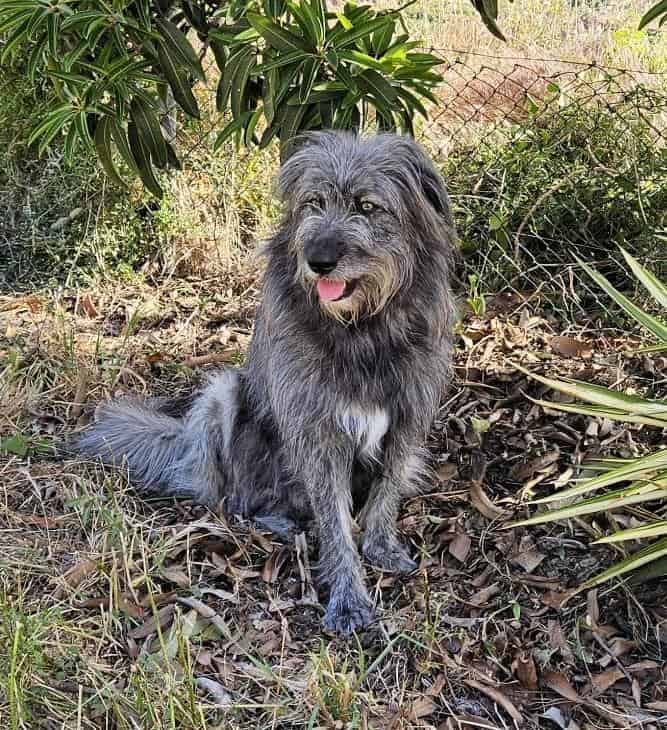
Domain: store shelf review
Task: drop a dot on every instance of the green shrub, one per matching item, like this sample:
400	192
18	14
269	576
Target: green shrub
576	177
60	223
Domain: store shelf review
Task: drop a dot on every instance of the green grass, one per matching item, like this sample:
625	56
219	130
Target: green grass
59	667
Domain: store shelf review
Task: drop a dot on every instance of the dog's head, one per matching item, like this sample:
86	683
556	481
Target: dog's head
360	211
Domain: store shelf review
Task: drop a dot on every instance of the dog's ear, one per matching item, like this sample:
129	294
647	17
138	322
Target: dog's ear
428	178
432	183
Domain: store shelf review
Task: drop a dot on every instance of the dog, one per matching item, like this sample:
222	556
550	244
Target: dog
347	364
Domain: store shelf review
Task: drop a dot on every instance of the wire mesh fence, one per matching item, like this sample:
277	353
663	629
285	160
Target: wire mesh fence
546	161
549	160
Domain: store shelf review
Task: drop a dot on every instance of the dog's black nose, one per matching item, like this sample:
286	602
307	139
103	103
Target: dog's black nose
322	253
322	265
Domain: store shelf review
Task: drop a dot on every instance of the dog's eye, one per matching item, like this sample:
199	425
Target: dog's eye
367	207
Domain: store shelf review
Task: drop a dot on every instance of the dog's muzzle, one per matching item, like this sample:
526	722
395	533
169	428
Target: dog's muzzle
322	253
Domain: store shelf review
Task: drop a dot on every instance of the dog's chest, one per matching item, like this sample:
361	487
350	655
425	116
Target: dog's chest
366	426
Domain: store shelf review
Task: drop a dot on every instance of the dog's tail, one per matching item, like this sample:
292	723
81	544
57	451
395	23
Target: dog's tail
166	455
136	435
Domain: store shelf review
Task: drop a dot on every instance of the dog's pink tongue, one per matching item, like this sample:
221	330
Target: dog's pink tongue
330	289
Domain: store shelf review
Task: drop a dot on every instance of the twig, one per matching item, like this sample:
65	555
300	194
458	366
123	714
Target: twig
197	360
540	199
616	660
80	395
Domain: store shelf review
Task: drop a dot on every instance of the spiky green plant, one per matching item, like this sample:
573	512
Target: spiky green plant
633	481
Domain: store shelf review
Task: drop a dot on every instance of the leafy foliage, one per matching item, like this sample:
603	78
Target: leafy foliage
488	12
117	70
659	10
645	478
570	177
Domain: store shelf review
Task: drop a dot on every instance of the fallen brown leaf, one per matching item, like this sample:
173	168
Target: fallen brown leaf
525	670
218	691
308	592
87	306
205	658
208	613
47	521
125	604
571	347
498	697
646	665
592	608
270	645
158	599
460	546
528	469
558	640
438	685
527	556
482	578
481	502
483	596
281	605
538	581
224	595
241	574
273	564
620	646
559	683
34	304
262	540
155	357
422	707
177	576
601	682
557	599
75	575
162	619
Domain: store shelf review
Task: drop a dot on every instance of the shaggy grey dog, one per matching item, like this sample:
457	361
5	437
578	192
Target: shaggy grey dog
348	361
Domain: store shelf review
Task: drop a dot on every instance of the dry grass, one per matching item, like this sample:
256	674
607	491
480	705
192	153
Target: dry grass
118	613
557	29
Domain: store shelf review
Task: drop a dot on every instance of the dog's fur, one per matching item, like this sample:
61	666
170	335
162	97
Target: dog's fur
336	397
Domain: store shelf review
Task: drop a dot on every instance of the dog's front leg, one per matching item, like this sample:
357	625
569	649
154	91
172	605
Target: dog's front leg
327	473
381	546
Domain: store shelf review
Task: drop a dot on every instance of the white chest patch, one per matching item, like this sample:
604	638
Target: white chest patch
366	427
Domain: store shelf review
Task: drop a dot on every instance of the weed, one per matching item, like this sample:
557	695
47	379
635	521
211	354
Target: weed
334	688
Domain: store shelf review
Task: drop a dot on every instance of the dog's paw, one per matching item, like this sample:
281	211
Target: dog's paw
282	527
388	554
348	612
